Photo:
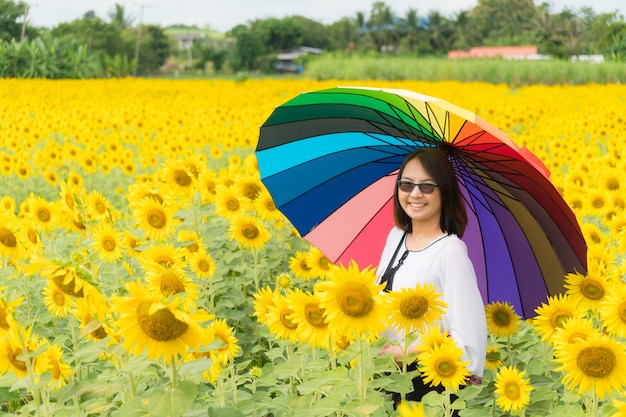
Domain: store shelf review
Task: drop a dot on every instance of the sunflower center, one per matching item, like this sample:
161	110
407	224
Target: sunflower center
155	197
170	284
305	265
577	336
4	324
32	236
193	247
156	218
100	207
232	204
69	288
7	238
414	307
315	315
598	202
58	298
250	231
251	190
596	361
203	265
161	326
512	391
108	244
324	263
559	319
445	368
501	318
182	178
100	333
285	320
270	205
592	289
18	364
355	300
43	214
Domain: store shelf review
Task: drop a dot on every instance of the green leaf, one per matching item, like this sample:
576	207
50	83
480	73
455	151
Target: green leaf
172	402
224	412
132	408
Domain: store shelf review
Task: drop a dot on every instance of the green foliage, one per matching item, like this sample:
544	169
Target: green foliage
41	59
496	71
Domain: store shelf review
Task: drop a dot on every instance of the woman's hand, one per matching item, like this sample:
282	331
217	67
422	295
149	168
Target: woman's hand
394	350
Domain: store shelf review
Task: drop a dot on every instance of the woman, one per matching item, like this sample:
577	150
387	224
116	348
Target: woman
426	247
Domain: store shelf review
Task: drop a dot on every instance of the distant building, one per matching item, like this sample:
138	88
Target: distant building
285	60
185	37
505	52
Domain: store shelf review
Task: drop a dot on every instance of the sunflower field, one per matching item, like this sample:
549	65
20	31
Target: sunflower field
145	270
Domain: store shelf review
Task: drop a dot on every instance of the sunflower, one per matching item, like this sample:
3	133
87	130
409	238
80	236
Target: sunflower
613	310
107	243
43	214
225	334
57	302
299	265
352	301
310	318
12	351
8	205
157	220
283	281
593	234
573	330
97	206
320	264
586	290
512	389
162	255
553	315
178	180
190	241
11	238
502	320
249	232
265	206
493	358
411	409
160	327
278	319
620	406
59	369
431	336
249	187
228	203
166	283
68	196
131	243
202	264
442	365
413	309
596	364
207	183
263	299
6	312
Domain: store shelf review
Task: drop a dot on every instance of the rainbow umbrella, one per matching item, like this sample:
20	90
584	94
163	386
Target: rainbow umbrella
330	159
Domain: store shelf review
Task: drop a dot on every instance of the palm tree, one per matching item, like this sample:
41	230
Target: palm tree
119	18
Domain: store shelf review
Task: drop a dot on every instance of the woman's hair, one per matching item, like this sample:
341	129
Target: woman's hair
435	162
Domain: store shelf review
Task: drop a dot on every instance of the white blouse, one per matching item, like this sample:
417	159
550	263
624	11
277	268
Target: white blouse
446	265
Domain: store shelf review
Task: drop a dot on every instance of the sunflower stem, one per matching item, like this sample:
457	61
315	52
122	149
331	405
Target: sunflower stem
174	376
446	405
509	351
331	352
31	372
361	369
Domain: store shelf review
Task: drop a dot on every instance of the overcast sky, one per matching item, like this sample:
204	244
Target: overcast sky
222	15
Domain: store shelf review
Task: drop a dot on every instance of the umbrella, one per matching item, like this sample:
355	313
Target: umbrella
330	158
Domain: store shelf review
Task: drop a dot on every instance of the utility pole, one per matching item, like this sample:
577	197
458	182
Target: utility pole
26	8
138	41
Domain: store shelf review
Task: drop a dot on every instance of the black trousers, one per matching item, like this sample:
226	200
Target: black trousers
419	390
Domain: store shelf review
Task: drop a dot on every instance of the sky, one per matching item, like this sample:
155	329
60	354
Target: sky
223	15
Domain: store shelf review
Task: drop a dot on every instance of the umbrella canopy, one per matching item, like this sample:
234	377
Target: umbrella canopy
330	159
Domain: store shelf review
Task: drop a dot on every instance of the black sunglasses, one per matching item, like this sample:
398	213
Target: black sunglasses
409	186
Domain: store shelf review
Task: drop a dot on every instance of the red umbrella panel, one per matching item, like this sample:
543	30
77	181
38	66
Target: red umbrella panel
330	160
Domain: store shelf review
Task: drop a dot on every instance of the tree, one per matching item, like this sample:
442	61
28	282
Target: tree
249	49
10	27
119	18
98	35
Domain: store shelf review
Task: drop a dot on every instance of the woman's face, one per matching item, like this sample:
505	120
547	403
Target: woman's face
421	208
